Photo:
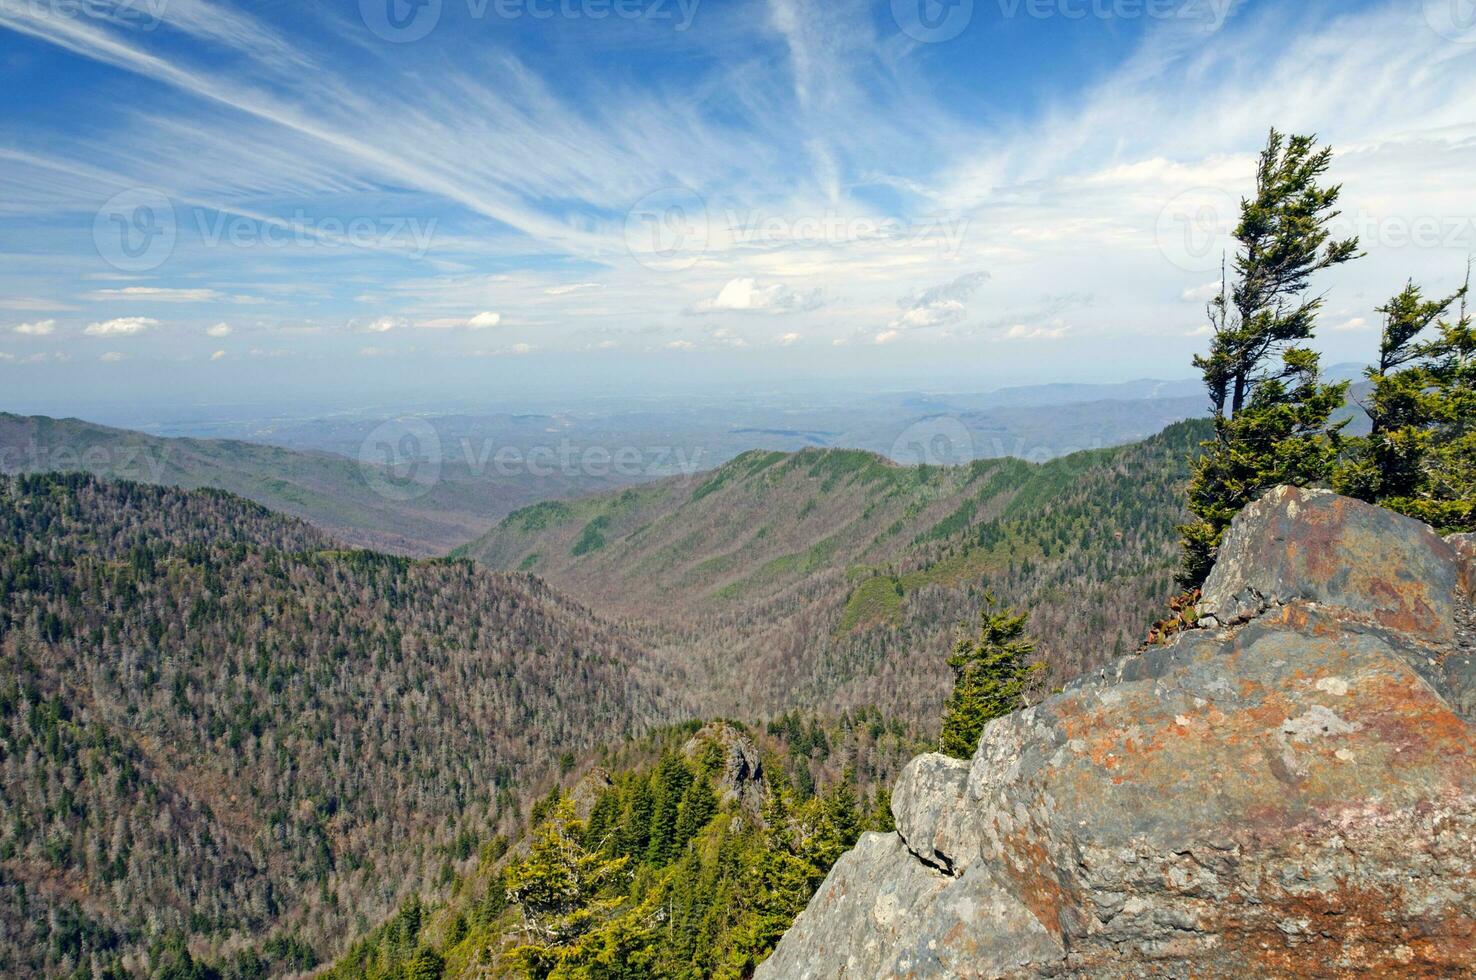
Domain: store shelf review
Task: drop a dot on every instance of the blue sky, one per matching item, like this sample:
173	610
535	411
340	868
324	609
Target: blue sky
364	202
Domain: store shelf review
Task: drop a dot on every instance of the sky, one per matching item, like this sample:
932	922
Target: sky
372	202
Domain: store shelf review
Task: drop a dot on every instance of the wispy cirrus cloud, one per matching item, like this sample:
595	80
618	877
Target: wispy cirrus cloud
530	171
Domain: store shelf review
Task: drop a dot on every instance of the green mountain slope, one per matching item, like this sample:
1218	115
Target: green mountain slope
213	725
710	839
331	491
834	578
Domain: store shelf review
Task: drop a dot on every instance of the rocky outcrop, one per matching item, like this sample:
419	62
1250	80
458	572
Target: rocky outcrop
737	770
1290	791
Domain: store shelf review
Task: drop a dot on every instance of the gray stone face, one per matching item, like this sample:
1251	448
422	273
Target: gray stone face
740	775
1465	546
1295	795
1367	563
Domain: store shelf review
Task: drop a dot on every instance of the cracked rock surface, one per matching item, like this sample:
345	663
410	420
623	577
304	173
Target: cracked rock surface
1291	793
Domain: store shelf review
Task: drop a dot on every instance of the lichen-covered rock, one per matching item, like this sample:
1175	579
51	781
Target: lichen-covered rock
1295	796
1365	562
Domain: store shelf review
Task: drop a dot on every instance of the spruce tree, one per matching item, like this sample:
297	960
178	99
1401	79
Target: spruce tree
990	672
562	890
1420	455
1271	411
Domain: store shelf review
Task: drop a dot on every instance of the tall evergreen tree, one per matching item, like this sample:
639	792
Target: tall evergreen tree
1271	411
990	671
672	780
1420	455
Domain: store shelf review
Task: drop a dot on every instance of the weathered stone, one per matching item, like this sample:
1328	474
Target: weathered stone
928	821
587	792
1365	562
1465	546
873	901
1292	797
740	773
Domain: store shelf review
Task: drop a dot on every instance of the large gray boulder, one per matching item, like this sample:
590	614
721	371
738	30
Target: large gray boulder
1365	563
1292	794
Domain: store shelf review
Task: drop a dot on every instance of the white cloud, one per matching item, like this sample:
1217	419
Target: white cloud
484	321
1201	294
122	327
382	324
680	345
6	357
219	330
112	357
1022	331
218	355
37	328
512	350
1203	330
886	336
939	305
158	294
568	288
1352	325
31	304
746	295
788	340
728	338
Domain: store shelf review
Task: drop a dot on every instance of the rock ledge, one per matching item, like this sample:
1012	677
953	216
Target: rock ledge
1288	792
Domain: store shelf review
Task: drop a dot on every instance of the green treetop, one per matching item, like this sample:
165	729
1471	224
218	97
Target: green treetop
1420	455
990	672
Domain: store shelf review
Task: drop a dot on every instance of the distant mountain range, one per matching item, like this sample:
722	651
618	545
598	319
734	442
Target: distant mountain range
361	502
425	485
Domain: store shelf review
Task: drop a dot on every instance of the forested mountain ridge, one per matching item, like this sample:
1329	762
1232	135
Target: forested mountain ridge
329	490
216	725
830	577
